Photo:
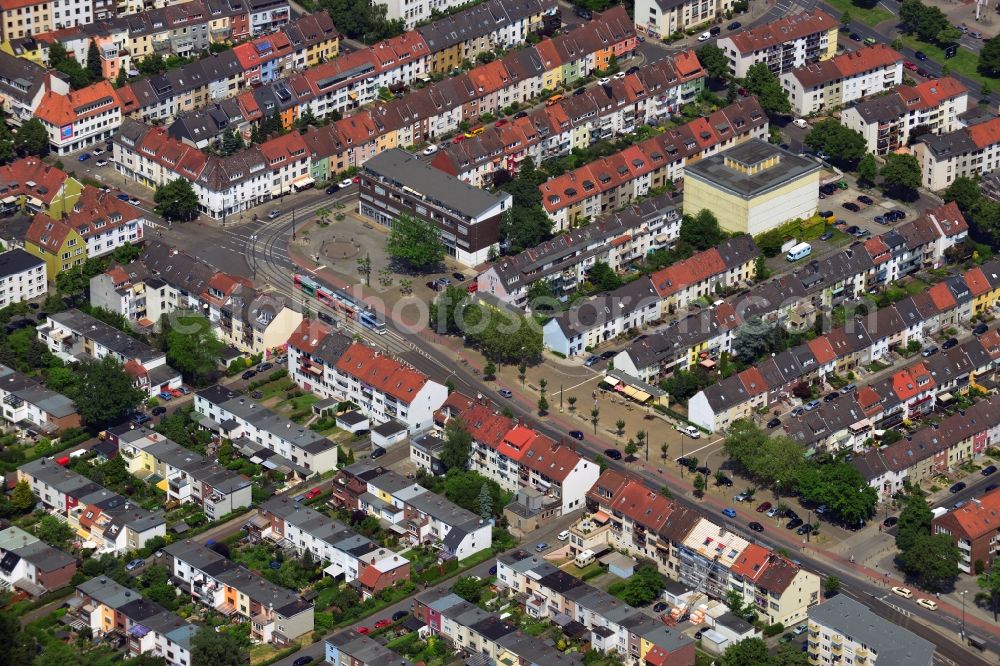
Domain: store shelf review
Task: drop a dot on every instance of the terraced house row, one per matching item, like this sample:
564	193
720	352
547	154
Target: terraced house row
648	298
624	514
859	342
795	300
101	519
608	183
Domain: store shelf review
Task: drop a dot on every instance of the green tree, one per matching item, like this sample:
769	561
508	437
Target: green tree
989	582
846	18
177	200
642	588
868	169
54	532
714	60
748	652
701	231
840	487
543	405
760	270
620	427
914	521
901	173
94	62
16	648
965	192
22	498
121	79
839	142
103	393
485	502
468	588
526	224
32	138
699	484
831	586
755	339
232	142
932	560
603	277
152	65
595	416
631	447
415	242
191	346
457	445
762	82
211	648
365	268
989	58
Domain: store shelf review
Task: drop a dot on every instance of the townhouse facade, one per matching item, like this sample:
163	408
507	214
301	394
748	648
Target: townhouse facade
347	555
184	475
783	45
843	79
349	648
888	122
163	280
664	18
235	417
31	565
614	627
32	409
80	118
73	333
97	224
965	152
51	190
625	514
111	609
101	519
596	189
423	516
331	365
276	614
841	628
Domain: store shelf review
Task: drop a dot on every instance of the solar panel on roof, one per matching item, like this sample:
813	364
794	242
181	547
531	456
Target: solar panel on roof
264	46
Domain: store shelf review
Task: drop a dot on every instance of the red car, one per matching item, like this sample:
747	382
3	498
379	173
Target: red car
315	492
764	506
907	65
502	122
383	623
458	139
177	393
363	630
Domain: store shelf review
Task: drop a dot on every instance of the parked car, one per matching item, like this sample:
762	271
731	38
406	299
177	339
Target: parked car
684	461
921	56
314	493
101	163
383	623
333	189
399	615
794	523
690	431
121	197
660	607
909	66
377	452
763	506
264	367
429	150
804	529
890	521
850	388
735	25
812	404
84	157
976	35
576	434
878	219
158	410
302	661
724	481
347	182
855	37
140	418
506	393
755	526
563	535
949	343
743	497
774	423
930	351
592	361
184	389
987	471
704	470
614	454
923	72
608	354
981	328
830	397
273	214
165	395
827	235
800	122
928	604
177	393
541	547
772	513
249	374
797	411
991	487
134	564
851	206
704	37
957	488
363	630
801	629
729	511
828	189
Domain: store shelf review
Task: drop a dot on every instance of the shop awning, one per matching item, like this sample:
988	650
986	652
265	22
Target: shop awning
610	381
305	179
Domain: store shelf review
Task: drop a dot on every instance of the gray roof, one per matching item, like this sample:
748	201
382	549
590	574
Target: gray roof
446	511
951	144
479	21
193	463
107	592
44	557
106	335
389	428
365	650
892	643
17	261
715	170
406	170
30	391
621	302
20	78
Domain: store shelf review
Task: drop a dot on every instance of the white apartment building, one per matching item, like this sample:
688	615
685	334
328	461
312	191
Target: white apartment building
967	152
843	79
331	365
886	122
842	630
237	417
70	13
783	45
22	277
662	18
80	118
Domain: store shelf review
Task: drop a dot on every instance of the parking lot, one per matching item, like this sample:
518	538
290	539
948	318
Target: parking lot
864	217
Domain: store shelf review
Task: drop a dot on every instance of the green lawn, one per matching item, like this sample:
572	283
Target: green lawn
867	16
964	62
274	388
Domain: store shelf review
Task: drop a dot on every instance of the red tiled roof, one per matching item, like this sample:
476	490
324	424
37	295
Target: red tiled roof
942	297
783	30
935	91
949	217
550	458
516	442
751	562
486	426
60	110
978	517
308	336
48	180
822	350
382	372
976	280
985	134
753	382
676	277
912	381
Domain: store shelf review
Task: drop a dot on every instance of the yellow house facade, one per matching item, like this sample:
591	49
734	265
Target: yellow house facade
753	187
61	248
27	49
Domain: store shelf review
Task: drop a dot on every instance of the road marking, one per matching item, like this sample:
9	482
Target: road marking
713	443
586	381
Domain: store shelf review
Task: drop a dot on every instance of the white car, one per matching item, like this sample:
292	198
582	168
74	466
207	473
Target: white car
704	37
903	592
800	122
619	75
429	150
101	163
97	151
772	512
690	431
928	604
347	182
563	535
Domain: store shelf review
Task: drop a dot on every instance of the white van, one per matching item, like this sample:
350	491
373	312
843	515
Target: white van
563	535
799	122
799	251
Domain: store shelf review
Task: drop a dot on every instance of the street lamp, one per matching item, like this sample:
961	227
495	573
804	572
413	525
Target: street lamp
964	592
